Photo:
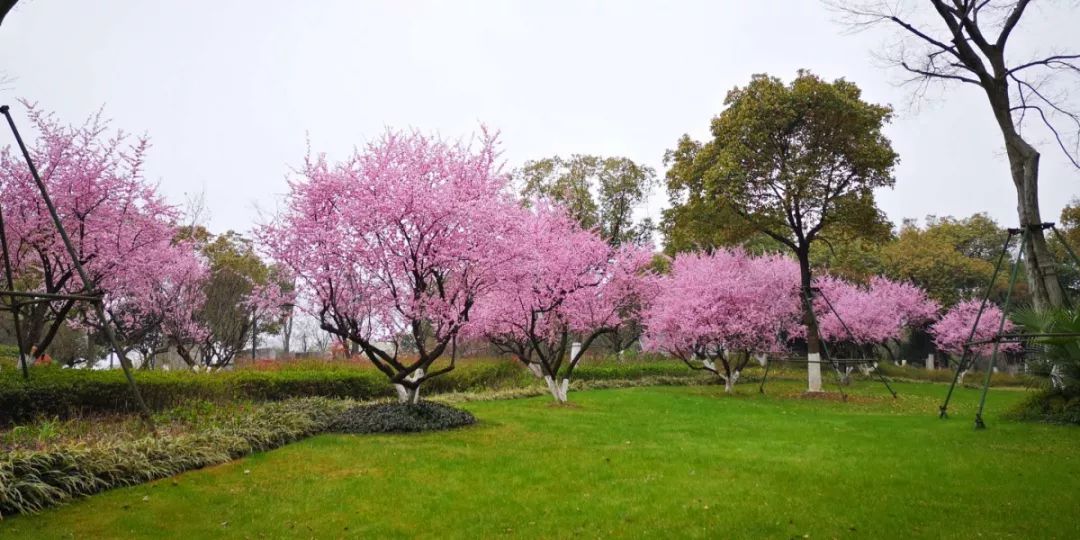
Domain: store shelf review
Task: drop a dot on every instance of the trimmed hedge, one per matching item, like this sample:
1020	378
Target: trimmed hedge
31	481
401	418
65	392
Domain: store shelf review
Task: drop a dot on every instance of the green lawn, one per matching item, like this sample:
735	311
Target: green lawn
684	461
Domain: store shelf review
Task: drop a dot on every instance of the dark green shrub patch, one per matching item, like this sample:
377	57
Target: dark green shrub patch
401	418
64	392
32	480
1052	406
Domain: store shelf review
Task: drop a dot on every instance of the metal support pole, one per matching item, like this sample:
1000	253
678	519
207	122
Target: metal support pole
979	424
986	298
15	305
99	305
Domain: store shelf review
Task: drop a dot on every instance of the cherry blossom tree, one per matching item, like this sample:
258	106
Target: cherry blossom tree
566	283
719	308
393	246
954	329
872	315
118	222
159	307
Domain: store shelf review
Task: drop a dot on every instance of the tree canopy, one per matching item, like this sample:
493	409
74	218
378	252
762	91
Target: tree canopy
601	193
790	161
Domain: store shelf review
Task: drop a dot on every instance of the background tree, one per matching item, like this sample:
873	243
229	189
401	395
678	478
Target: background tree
601	193
790	160
965	41
952	259
1069	227
236	291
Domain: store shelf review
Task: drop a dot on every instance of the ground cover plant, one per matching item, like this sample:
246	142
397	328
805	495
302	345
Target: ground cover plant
662	461
400	418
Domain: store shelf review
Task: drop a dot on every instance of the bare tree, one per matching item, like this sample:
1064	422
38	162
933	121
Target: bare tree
5	7
965	41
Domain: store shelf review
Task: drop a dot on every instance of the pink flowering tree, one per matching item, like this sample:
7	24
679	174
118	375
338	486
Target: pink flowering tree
392	248
566	285
158	308
713	311
118	222
869	316
951	333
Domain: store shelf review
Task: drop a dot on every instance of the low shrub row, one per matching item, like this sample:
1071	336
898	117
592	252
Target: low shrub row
53	392
64	393
1000	379
33	480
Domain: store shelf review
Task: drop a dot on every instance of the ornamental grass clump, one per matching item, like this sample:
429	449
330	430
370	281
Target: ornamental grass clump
34	480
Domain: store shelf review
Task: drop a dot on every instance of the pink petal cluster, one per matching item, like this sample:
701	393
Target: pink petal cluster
121	227
953	330
395	245
724	301
872	315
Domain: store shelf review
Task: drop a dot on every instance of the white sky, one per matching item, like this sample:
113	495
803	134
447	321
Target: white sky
229	91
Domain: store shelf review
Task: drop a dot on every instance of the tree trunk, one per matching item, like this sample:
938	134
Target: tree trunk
1042	276
407	395
813	341
558	390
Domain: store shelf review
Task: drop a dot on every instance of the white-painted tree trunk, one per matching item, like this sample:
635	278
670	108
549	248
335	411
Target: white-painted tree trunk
575	350
761	358
930	361
960	379
537	370
558	391
709	365
407	395
813	372
410	395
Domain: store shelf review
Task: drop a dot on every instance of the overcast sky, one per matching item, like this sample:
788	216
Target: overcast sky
229	91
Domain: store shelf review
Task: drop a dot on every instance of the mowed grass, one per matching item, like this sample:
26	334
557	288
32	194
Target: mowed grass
669	461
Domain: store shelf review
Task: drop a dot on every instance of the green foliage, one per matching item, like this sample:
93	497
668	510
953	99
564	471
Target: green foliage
1067	238
790	161
401	418
1052	406
1057	358
31	481
9	356
601	193
65	393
